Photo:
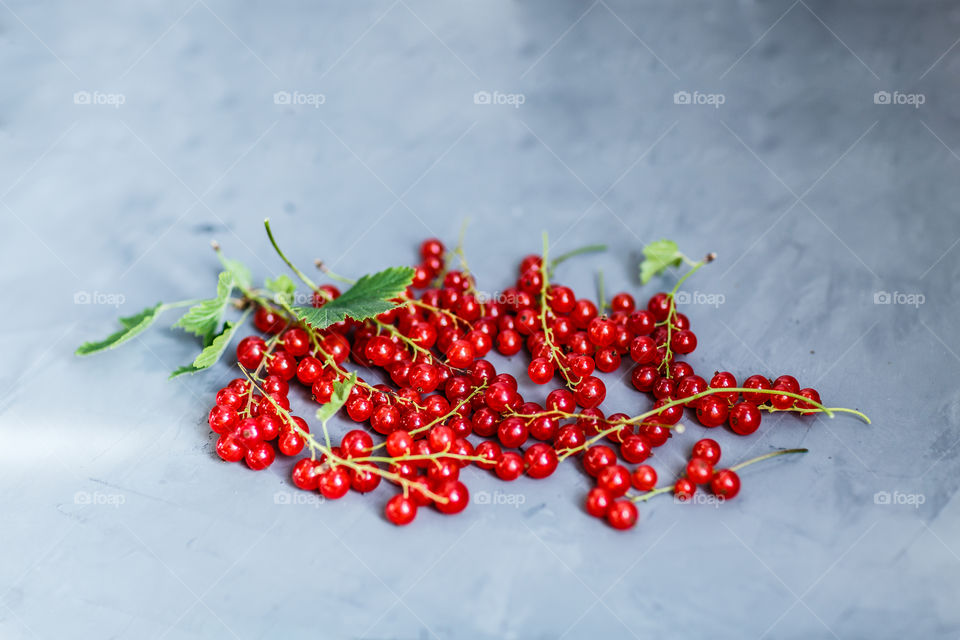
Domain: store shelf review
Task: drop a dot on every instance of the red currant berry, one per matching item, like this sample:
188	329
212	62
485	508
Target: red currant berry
725	483
598	502
756	382
540	371
460	353
541	460
607	360
561	400
810	394
490	451
744	418
569	437
623	302
260	455
401	510
597	458
622	515
712	411
684	489
456	496
641	323
222	419
334	484
306	474
602	332
614	478
512	432
424	378
683	342
635	448
583	312
509	466
431	247
230	448
250	351
644	377
644	478
590	392
706	449
364	480
699	471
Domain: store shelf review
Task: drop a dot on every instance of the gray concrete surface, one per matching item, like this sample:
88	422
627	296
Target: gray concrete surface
118	521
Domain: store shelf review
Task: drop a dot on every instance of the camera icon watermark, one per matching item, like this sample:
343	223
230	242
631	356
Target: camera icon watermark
499	98
698	297
98	297
295	98
298	497
97	498
115	100
898	498
710	99
910	299
896	97
498	498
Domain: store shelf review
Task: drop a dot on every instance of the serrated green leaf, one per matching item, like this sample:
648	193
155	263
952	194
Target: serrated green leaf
341	393
211	354
132	326
369	297
203	319
281	284
241	274
657	256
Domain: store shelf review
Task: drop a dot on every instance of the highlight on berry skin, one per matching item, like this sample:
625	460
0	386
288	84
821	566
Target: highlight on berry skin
431	400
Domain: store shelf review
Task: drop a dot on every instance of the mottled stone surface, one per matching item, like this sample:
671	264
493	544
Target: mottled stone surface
814	197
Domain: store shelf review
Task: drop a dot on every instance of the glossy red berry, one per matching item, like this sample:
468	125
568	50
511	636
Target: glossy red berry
683	342
541	460
460	353
810	394
659	305
597	458
706	449
510	466
540	370
712	411
744	418
756	382
725	483
512	432
635	448
598	502
643	478
623	302
614	478
602	332
260	455
334	484
401	510
222	419
684	489
456	495
699	471
230	448
590	392
305	474
622	514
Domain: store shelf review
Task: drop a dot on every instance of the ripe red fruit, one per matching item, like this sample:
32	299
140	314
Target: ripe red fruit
569	437
460	353
356	443
424	378
744	418
541	460
684	489
756	382
706	449
512	432
456	495
699	471
598	457
364	480
401	510
635	448
230	448
260	455
725	483
712	411
598	502
724	380
561	400
540	370
250	351
334	484
659	305
622	302
440	438
644	478
510	466
509	342
399	443
222	419
812	395
622	514
683	342
602	332
385	419
614	478
590	392
498	396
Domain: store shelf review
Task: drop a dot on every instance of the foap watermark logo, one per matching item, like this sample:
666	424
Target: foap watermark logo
709	99
98	498
700	498
99	297
499	498
899	498
898	97
298	98
698	297
298	497
101	98
898	297
499	98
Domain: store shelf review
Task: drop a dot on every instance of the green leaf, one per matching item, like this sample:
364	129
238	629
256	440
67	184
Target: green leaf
282	287
132	326
203	319
369	297
211	354
657	256
239	271
341	392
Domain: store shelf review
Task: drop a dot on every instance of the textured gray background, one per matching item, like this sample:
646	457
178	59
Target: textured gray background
814	197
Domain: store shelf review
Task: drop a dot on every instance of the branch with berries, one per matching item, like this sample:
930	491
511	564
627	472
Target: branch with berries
434	404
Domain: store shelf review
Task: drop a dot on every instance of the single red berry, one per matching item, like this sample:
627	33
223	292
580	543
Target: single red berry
512	432
744	418
440	438
810	394
583	312
756	382
788	383
623	302
260	455
660	305
644	377
431	247
385	419
509	342
641	323
290	442
540	370
622	514
614	478
782	401
635	448
597	458
266	321
424	378
541	460
706	449
365	479
250	351
334	484
644	478
724	380
602	332
399	443
440	471
490	451
712	411
699	471
222	419
457	498
607	360
460	353
643	350
569	437
498	396
306	474
401	510
356	443
691	385
684	489
590	392
598	502
683	342
561	400
725	483
510	466
230	448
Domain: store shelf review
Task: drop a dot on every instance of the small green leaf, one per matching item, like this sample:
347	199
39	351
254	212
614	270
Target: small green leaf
239	271
341	392
657	256
369	297
211	354
203	319
132	326
283	288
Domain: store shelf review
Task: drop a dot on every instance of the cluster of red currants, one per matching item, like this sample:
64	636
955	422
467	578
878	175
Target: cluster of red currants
438	391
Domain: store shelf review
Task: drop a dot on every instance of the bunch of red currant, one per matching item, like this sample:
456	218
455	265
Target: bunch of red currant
438	405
